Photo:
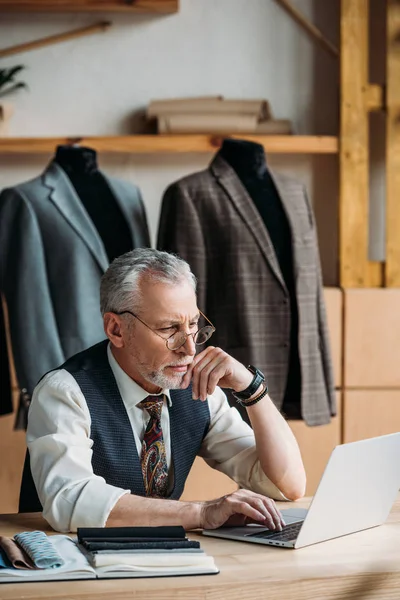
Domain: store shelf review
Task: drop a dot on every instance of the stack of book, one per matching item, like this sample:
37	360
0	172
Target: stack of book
120	552
215	114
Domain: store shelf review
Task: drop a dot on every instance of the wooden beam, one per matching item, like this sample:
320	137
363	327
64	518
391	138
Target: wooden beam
172	144
375	97
308	27
392	269
355	269
133	6
55	39
376	274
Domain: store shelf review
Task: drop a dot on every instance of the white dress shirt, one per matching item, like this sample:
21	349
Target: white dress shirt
60	448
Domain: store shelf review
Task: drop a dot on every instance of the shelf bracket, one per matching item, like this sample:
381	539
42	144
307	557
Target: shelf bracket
55	39
308	27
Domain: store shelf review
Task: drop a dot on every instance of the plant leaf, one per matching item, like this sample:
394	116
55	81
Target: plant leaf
6	79
14	70
7	76
3	77
9	90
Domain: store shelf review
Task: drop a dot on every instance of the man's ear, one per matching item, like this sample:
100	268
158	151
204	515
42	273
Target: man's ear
113	329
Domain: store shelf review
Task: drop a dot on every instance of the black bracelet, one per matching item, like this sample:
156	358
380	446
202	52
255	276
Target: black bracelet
254	385
256	399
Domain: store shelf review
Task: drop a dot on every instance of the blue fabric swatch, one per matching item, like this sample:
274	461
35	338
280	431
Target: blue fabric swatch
4	562
40	549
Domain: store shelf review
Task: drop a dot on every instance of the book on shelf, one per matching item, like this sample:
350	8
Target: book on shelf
108	553
221	123
274	127
206	123
259	108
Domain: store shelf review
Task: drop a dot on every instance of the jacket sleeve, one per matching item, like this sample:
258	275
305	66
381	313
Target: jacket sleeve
323	331
23	280
325	344
180	232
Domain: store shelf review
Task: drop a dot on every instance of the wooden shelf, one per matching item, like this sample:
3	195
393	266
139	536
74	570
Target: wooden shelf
172	144
133	6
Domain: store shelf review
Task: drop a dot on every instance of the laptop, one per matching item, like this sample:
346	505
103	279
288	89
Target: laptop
357	491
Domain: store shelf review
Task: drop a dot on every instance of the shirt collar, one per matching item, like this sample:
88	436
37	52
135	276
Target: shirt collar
131	392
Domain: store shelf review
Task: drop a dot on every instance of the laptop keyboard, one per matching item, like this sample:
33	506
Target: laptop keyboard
288	533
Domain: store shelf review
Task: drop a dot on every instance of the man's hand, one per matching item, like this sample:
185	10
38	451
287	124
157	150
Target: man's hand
214	367
240	508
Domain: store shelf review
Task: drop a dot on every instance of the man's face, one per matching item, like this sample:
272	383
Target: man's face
167	310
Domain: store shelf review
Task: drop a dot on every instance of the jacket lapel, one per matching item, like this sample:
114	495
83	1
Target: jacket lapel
292	197
63	195
248	212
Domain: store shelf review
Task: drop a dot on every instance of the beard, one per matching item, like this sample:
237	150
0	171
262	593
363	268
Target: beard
159	377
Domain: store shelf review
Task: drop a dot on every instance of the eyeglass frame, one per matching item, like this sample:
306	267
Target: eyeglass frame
123	312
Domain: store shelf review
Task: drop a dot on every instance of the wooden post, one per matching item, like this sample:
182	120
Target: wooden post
355	268
392	268
375	97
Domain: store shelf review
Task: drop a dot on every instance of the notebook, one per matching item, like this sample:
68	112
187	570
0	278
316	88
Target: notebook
78	564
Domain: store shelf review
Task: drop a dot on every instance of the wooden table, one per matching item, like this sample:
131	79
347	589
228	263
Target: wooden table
364	565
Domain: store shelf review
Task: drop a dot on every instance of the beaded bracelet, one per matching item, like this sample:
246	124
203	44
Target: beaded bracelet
257	398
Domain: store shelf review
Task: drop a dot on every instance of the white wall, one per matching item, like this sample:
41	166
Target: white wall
238	48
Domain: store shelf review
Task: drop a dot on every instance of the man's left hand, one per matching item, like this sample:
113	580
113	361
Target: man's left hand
214	367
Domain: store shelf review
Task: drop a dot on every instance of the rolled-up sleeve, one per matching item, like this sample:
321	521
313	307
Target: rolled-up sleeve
58	438
230	447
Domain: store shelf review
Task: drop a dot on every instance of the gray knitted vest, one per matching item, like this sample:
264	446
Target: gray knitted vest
115	456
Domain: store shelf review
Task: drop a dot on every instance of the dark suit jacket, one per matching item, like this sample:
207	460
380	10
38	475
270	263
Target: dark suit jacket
51	262
6	406
209	219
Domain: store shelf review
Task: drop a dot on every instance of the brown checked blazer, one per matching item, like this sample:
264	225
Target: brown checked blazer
209	219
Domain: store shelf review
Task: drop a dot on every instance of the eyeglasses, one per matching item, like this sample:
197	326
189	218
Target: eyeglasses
178	339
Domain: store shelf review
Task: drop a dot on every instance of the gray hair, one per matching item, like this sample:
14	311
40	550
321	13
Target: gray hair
120	284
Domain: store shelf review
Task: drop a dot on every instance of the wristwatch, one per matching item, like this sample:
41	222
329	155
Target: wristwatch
253	387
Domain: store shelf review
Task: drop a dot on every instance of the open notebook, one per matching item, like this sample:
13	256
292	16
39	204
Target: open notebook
142	564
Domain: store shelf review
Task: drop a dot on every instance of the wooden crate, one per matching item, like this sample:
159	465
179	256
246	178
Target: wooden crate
12	452
371	338
369	413
334	312
316	445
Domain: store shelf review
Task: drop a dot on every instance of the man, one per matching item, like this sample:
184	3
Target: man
113	433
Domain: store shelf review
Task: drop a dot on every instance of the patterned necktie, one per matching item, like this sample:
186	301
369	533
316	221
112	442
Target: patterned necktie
153	457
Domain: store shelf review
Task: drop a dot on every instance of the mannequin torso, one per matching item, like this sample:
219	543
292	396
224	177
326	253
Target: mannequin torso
80	165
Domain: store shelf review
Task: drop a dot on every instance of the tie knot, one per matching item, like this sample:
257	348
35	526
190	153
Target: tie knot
153	405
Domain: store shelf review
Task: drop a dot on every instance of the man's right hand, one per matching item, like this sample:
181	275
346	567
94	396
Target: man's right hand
240	508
